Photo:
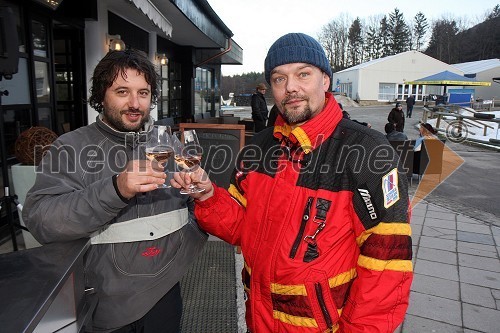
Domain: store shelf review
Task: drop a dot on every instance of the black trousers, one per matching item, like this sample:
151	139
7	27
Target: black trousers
164	317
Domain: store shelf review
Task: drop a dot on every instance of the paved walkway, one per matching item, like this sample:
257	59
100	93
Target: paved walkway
456	287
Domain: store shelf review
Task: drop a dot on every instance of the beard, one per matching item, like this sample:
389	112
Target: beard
293	115
114	120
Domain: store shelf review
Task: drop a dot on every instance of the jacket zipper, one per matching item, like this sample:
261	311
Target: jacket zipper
322	305
305	218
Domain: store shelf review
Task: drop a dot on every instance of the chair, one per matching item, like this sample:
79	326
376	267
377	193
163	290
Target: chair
230	120
432	149
210	120
406	155
169	121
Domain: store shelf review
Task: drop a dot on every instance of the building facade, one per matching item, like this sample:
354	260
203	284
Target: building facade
383	79
483	70
61	41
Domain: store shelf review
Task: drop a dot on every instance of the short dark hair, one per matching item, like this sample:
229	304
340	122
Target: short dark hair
429	127
115	63
389	127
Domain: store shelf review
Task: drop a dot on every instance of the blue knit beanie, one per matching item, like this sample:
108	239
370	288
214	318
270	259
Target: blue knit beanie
296	47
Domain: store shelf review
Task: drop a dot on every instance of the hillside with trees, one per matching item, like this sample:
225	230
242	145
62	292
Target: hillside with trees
349	42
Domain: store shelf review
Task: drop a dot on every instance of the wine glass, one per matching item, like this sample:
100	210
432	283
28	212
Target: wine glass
159	147
188	152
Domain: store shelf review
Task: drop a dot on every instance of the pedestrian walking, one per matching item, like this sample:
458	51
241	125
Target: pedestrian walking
410	102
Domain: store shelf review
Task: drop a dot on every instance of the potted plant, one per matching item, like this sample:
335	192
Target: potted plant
29	149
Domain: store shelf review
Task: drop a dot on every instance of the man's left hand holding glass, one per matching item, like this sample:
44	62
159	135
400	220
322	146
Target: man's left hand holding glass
198	176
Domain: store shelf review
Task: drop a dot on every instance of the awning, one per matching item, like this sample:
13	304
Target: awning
447	78
150	10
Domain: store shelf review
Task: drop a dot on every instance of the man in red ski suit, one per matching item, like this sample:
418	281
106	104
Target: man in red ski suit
319	207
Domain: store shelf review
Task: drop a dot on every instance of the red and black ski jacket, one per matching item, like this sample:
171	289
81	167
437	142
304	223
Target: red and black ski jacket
321	213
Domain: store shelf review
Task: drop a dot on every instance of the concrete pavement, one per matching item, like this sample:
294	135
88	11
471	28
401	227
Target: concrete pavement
456	286
456	242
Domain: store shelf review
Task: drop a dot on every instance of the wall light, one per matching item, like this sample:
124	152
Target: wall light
115	43
162	58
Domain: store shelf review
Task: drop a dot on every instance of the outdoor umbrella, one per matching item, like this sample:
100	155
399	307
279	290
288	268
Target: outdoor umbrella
448	78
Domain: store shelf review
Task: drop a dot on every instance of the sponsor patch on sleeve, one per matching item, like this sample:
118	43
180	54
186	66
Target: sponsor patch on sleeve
367	199
390	188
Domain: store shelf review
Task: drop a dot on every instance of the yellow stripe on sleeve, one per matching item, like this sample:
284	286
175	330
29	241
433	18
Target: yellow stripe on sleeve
381	265
387	229
237	195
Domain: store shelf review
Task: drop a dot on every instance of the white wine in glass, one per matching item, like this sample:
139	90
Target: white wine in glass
188	155
159	147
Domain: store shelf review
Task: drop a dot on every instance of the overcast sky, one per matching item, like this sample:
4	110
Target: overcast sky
256	24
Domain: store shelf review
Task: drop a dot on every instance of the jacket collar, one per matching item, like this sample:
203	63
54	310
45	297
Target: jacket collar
128	138
313	132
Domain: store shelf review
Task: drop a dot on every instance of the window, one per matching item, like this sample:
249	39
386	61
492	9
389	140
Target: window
387	91
345	88
203	91
174	89
163	98
405	90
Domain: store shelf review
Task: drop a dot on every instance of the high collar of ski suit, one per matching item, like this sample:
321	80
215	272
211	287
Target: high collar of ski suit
313	132
128	138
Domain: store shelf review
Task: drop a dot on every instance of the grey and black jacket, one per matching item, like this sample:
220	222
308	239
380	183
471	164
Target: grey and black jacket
140	247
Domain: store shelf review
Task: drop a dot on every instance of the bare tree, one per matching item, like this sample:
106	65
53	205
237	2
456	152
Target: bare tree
334	37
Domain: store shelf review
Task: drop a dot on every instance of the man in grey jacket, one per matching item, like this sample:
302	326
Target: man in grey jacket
96	182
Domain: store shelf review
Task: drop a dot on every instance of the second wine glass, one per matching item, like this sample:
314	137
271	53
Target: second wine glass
188	153
159	147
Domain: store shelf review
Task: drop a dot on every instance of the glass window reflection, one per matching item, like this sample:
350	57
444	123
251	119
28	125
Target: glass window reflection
39	32
42	82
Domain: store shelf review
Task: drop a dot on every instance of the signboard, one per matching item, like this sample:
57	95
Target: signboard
221	144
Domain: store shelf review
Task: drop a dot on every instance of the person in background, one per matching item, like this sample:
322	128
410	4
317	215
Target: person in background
96	182
410	102
259	108
273	115
346	115
324	232
426	132
392	134
397	117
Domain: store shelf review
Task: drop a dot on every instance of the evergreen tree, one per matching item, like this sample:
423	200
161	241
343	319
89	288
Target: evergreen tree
420	30
373	44
385	37
398	32
495	13
355	42
443	44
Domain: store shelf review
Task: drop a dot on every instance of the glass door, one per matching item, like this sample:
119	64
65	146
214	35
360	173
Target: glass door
68	79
